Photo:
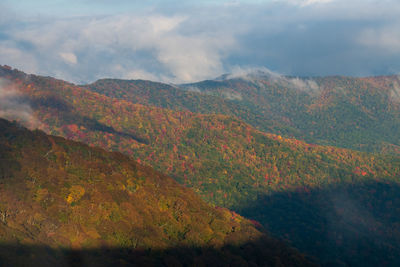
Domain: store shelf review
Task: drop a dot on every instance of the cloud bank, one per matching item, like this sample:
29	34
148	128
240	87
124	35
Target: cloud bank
189	42
130	47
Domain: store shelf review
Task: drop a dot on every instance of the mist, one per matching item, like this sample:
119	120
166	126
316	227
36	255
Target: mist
254	75
14	107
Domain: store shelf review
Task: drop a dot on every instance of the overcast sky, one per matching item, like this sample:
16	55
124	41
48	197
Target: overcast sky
186	41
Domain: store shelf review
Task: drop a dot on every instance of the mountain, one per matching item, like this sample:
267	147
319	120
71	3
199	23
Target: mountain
59	198
293	188
174	98
356	113
219	156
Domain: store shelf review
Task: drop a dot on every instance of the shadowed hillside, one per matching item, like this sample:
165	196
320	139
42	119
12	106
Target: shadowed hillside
258	253
354	224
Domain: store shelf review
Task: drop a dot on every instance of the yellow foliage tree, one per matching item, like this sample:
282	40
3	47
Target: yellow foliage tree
76	192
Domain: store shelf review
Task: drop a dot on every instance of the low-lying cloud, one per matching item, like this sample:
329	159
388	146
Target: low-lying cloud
252	73
14	107
256	74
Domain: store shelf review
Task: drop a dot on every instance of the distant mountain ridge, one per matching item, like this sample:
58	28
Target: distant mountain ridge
357	113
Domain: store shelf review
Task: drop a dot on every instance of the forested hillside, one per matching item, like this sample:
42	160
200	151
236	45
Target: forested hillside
289	186
357	113
181	98
61	201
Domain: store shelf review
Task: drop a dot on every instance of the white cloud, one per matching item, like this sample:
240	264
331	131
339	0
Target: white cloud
106	42
251	73
69	57
165	24
307	85
254	74
195	42
12	56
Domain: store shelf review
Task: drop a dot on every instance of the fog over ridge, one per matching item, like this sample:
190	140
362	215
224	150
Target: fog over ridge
13	106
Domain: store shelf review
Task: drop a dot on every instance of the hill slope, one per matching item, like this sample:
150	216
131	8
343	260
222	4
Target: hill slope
65	195
231	164
173	97
357	113
226	160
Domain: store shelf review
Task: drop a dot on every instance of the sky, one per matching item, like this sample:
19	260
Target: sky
187	41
